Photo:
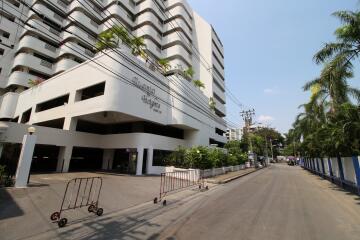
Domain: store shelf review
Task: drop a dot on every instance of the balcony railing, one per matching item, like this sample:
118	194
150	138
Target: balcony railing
50	47
61	3
56	32
89	53
46	64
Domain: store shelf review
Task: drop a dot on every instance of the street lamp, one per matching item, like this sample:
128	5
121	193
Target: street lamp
31	130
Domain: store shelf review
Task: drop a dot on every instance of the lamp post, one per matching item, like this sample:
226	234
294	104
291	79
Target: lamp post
25	159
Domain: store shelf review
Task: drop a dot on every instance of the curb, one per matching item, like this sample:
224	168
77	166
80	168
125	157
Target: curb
235	177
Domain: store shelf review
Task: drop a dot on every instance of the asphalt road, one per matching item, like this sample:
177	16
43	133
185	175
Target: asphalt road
276	203
282	202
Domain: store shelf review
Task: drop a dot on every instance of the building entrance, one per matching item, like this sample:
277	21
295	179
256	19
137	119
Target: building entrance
125	161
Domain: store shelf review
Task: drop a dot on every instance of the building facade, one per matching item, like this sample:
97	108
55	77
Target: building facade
234	134
113	105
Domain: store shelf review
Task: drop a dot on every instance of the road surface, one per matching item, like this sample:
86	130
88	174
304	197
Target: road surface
280	202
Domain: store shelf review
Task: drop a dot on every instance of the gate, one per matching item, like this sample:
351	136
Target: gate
178	180
80	192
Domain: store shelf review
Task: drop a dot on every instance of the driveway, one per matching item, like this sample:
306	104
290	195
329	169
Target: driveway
25	211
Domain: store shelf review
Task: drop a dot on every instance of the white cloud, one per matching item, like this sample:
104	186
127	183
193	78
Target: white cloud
271	91
265	118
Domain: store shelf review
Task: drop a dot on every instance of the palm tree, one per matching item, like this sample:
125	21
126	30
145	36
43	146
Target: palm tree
138	46
106	40
347	47
332	85
199	84
164	64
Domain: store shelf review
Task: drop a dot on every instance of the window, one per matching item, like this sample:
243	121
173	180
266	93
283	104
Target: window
26	116
93	91
159	157
5	34
56	102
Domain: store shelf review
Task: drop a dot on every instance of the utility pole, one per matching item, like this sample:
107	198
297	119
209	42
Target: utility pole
247	116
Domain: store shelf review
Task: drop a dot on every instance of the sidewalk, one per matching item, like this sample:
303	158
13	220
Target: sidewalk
220	179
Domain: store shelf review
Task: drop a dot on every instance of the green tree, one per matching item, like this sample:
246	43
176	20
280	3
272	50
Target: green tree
138	46
344	51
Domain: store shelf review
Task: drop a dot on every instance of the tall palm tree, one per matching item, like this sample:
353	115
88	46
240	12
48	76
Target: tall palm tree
332	86
106	40
347	47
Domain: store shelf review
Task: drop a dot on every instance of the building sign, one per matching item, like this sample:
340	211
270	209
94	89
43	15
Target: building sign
149	98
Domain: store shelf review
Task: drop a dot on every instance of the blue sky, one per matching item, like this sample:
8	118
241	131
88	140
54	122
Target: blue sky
269	47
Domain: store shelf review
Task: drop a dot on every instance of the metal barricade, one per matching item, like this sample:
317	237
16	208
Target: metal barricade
178	180
80	192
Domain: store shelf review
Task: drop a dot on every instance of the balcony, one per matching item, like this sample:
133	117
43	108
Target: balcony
28	60
178	50
219	106
76	50
48	13
85	20
43	30
64	64
20	78
218	92
37	45
87	6
121	13
149	17
82	36
8	104
169	27
180	11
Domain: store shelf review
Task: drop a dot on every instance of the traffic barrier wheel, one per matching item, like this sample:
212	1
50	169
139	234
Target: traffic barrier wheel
55	216
100	212
207	187
155	200
164	203
62	222
91	208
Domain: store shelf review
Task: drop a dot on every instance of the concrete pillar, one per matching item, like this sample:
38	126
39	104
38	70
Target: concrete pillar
341	169
323	166
149	160
67	158
355	160
139	162
107	159
24	165
70	123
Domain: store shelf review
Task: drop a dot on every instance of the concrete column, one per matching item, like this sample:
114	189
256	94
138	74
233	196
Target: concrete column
67	158
330	168
317	164
107	159
149	160
139	162
341	169
70	123
323	166
60	162
355	160
24	165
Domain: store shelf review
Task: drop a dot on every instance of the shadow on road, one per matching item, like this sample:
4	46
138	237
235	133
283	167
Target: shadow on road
8	207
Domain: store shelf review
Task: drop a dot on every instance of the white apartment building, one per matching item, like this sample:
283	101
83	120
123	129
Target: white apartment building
108	110
234	134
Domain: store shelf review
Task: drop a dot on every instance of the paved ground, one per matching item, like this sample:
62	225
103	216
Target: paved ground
230	176
31	207
279	202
